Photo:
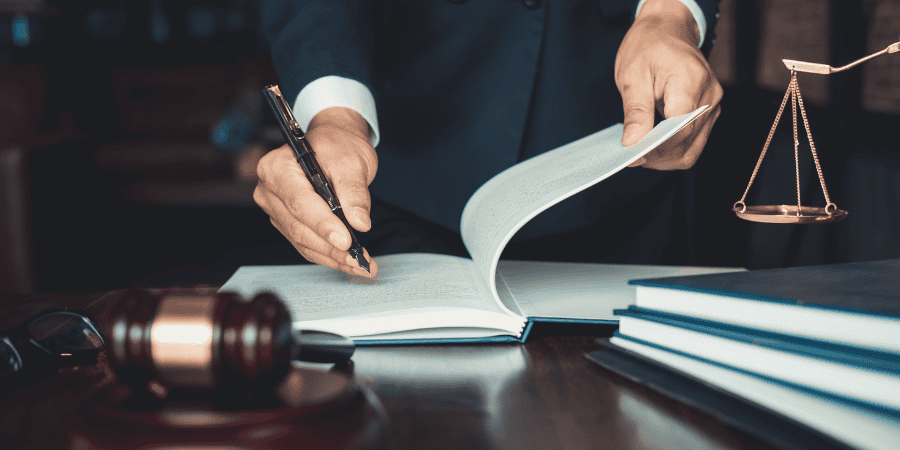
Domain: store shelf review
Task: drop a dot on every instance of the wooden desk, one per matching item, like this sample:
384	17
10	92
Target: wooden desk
542	395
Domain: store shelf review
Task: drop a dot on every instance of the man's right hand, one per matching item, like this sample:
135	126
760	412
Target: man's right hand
340	139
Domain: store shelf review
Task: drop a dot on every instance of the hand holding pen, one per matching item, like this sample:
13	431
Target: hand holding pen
317	222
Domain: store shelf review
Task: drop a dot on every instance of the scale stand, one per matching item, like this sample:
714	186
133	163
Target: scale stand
791	213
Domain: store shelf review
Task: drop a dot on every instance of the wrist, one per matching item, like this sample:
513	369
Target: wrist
345	119
671	17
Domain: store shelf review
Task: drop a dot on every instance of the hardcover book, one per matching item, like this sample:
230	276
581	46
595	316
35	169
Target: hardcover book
420	298
865	376
855	304
852	423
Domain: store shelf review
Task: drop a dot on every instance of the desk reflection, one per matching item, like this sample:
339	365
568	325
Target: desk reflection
442	395
543	394
656	429
476	376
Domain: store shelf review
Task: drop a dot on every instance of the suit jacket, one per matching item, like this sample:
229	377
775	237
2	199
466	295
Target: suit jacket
465	89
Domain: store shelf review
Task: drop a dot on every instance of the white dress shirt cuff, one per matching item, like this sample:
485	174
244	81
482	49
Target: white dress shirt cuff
695	10
330	91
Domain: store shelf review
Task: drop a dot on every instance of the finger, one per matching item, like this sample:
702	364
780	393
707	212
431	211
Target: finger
638	104
681	95
349	266
686	154
287	182
671	149
352	190
336	259
299	233
350	164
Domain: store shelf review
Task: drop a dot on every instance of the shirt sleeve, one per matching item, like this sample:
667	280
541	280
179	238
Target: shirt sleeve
330	91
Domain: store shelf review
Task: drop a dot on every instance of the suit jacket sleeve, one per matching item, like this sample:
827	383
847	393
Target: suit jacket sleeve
315	38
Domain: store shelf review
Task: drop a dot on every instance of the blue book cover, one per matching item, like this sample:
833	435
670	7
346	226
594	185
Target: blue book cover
870	288
863	375
855	304
843	354
855	424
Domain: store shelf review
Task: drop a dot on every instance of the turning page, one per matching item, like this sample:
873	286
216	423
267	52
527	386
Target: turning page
510	199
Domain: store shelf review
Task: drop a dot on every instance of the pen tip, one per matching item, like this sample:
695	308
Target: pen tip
357	254
363	263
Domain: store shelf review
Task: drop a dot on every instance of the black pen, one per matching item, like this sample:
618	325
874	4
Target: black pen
307	160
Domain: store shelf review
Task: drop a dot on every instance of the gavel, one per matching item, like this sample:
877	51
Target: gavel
210	342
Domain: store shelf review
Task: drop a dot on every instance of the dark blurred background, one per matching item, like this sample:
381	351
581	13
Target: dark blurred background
129	132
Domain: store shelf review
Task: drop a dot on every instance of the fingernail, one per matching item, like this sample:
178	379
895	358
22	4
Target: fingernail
337	240
641	161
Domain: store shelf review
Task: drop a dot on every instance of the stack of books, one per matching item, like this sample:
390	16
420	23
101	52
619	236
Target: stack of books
817	344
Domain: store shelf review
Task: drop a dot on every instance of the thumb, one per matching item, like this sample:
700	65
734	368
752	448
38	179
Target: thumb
639	116
639	106
352	190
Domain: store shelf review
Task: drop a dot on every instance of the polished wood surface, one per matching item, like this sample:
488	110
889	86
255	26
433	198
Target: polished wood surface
543	394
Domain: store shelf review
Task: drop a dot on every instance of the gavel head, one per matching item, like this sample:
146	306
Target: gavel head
193	341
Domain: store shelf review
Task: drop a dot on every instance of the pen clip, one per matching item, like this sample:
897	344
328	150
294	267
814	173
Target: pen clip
273	93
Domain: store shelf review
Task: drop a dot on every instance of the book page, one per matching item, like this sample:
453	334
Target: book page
582	290
507	201
438	286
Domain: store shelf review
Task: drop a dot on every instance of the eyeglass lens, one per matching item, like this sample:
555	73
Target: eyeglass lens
65	332
9	357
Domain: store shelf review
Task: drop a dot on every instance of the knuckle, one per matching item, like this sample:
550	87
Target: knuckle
262	167
637	112
278	227
297	233
639	108
259	196
356	191
687	160
307	254
297	205
323	229
718	92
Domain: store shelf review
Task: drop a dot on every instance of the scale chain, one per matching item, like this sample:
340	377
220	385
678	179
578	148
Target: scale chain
793	92
812	146
766	145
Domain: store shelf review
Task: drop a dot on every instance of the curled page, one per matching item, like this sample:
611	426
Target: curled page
500	207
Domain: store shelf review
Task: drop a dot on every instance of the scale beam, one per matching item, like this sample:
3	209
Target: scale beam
825	69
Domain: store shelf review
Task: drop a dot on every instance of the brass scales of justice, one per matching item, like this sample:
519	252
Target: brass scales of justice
797	213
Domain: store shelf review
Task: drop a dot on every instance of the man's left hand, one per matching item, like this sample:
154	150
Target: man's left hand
659	67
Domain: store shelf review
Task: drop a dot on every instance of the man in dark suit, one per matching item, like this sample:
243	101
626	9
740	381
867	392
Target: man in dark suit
465	89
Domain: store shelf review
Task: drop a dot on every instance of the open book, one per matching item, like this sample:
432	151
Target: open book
439	298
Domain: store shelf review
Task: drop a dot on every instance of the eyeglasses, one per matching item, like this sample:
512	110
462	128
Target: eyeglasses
49	341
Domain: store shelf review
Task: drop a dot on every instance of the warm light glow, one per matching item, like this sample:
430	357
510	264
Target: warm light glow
186	334
181	341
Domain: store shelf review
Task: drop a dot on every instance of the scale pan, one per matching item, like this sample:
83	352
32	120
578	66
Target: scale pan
788	214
